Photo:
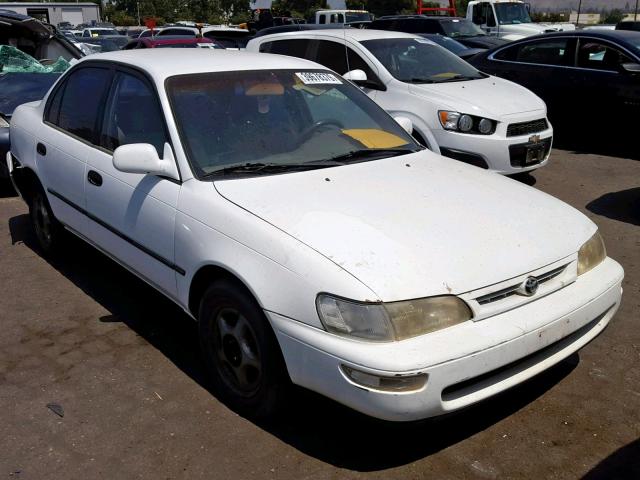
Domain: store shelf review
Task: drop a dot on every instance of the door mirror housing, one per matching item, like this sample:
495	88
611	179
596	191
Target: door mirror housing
356	76
143	158
633	68
405	123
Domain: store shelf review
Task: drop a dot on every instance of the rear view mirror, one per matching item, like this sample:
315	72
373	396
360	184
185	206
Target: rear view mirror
631	67
405	123
143	158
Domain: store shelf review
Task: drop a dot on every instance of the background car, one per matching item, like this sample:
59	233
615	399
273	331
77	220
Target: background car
452	45
459	29
43	44
228	37
172	42
455	110
99	32
104	43
590	80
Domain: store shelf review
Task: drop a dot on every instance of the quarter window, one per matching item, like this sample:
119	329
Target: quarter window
293	48
133	115
76	104
598	56
552	52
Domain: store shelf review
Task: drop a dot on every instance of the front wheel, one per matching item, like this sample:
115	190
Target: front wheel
47	228
241	351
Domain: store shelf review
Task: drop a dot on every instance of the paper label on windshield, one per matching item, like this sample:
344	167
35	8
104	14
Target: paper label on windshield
315	78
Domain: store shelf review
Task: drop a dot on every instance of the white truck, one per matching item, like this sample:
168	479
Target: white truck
509	19
341	16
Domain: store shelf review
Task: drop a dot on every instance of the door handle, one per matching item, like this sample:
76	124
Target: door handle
41	149
94	178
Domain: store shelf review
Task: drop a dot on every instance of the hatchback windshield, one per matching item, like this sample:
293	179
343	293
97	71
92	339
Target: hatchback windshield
461	28
251	122
416	60
512	13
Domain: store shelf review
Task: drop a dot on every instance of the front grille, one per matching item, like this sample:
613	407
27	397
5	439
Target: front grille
511	290
527	128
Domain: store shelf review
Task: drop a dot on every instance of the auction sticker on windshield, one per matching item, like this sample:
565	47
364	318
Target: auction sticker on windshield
315	78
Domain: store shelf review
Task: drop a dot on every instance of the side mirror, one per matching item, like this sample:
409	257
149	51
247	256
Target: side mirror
355	76
405	123
143	158
633	68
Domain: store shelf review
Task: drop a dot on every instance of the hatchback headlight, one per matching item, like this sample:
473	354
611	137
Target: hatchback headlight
386	322
461	122
591	254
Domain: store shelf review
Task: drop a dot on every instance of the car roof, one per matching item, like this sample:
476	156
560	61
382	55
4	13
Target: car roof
628	37
357	34
163	63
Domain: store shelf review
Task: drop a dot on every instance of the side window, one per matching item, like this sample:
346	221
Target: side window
508	54
322	19
133	115
333	55
483	14
550	52
599	56
293	48
79	100
86	33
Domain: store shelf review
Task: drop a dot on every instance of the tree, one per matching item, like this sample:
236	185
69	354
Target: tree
614	16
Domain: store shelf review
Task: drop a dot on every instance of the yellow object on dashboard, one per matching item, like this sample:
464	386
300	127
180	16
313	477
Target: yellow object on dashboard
375	138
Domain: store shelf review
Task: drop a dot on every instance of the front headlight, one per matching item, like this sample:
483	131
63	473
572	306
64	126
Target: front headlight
591	254
461	122
386	322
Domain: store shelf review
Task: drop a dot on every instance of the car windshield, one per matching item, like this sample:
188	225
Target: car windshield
358	17
448	43
229	121
512	13
417	60
461	28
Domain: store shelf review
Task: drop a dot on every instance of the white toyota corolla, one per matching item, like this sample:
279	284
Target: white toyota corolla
310	236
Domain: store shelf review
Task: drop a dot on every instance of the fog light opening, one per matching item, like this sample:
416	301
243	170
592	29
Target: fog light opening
404	383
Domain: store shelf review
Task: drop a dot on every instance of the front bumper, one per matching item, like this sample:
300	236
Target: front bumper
496	150
466	363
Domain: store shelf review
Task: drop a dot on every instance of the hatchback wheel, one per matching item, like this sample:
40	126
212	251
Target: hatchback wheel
241	351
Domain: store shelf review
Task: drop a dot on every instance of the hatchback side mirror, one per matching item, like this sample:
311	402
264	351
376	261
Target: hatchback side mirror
356	76
633	68
143	158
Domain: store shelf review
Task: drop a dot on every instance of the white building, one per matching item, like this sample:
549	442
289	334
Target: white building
54	13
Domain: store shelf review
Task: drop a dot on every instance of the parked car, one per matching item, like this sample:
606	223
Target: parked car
452	45
228	37
380	275
105	43
460	29
583	76
456	110
100	32
40	42
172	42
150	32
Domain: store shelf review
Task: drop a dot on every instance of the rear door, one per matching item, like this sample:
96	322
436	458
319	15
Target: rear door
67	140
133	215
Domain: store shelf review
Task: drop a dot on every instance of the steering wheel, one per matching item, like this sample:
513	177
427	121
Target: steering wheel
319	124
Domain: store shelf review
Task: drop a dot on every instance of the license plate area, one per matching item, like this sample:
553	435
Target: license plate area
535	154
530	153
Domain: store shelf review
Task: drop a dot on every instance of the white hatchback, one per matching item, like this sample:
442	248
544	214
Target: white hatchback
311	237
456	110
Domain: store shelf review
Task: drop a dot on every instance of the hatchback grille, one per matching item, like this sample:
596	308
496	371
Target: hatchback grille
527	128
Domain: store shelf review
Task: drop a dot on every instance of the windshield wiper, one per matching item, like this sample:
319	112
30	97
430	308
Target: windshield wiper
267	168
419	80
459	78
370	154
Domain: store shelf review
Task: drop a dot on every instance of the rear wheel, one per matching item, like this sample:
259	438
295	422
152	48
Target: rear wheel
241	351
46	227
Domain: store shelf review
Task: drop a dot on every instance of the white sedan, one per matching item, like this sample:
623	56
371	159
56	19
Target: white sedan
456	110
308	234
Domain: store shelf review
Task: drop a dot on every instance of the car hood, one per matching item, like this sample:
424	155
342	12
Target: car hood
418	224
491	97
481	41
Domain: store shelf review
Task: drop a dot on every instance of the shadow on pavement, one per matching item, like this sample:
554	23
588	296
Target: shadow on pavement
525	178
623	464
623	206
311	423
612	144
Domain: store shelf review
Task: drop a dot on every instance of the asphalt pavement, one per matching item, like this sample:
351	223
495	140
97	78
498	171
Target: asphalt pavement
100	378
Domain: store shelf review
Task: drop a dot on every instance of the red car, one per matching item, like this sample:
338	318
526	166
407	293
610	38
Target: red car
172	42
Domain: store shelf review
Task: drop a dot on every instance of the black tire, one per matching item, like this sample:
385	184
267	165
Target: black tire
241	351
48	229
